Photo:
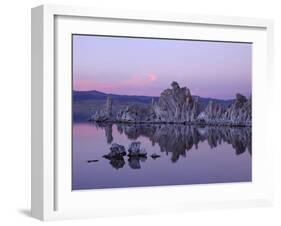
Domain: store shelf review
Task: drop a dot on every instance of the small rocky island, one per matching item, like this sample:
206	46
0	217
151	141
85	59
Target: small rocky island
177	105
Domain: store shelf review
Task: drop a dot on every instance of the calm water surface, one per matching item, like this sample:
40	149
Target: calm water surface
188	155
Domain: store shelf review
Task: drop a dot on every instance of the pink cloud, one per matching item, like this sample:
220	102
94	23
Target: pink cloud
134	81
152	77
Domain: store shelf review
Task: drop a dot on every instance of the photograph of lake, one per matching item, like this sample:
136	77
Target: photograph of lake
159	112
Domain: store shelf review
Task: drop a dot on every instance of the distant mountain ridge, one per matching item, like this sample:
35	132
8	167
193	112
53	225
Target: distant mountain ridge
97	95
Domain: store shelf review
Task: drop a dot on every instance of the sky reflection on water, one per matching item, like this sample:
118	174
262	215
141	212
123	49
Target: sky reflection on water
188	155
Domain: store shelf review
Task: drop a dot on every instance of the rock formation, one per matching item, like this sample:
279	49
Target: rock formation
177	105
135	149
237	114
104	115
116	150
240	112
136	113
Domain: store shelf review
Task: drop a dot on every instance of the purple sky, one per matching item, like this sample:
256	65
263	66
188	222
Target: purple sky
136	66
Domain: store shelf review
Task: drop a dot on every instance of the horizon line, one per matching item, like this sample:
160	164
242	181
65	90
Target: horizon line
159	95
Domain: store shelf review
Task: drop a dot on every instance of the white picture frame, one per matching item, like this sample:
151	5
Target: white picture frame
52	197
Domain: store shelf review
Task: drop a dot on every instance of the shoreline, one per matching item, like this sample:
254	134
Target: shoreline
168	123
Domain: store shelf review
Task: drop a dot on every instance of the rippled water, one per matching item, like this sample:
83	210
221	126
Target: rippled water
188	155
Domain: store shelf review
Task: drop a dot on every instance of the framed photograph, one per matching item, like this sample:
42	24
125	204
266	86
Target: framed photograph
138	112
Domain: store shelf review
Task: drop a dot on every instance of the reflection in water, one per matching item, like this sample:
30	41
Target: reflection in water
134	161
108	133
178	139
185	155
117	162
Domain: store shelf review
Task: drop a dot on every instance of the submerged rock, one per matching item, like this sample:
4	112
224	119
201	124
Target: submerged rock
92	160
135	149
155	156
116	150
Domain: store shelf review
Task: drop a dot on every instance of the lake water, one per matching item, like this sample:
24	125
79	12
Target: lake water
188	155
